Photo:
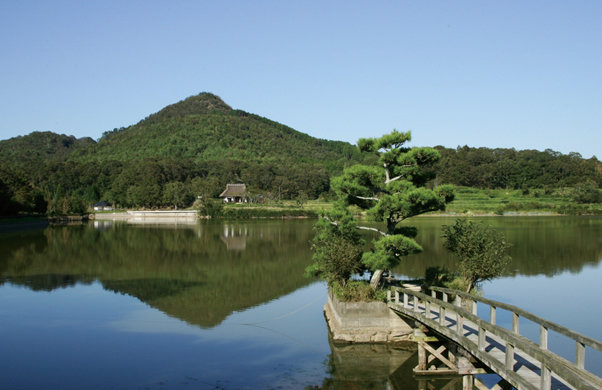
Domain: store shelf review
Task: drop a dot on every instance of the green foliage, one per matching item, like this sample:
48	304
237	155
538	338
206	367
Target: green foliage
389	250
526	170
358	291
442	277
587	192
338	249
438	276
176	193
204	128
512	202
301	199
480	249
208	207
237	212
40	147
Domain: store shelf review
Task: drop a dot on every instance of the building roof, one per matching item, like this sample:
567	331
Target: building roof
104	203
234	190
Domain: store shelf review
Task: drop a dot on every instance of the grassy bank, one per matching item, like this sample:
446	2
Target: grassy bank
473	201
285	209
519	202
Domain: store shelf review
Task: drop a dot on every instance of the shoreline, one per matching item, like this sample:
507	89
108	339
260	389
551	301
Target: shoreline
42	224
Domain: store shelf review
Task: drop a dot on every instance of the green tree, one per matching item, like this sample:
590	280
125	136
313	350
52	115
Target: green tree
205	187
175	193
209	207
301	199
338	248
587	192
391	191
481	250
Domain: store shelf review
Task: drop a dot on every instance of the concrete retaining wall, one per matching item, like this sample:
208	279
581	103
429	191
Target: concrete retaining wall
364	322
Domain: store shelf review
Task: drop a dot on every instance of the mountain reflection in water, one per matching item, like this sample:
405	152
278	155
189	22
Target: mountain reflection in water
198	272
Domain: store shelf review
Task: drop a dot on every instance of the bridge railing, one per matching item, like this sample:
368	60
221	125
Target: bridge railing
581	341
573	373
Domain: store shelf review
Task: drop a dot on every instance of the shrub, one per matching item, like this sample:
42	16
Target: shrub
358	291
338	253
210	208
438	276
443	277
480	250
587	192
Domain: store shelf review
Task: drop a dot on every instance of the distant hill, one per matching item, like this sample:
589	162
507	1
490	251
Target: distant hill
168	159
198	145
204	128
199	128
40	147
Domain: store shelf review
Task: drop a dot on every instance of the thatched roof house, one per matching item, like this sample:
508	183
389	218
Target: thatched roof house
104	205
234	193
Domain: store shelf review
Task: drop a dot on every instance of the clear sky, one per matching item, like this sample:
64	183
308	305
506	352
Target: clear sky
522	74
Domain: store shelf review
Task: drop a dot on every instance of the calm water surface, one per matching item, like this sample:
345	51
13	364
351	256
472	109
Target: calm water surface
224	304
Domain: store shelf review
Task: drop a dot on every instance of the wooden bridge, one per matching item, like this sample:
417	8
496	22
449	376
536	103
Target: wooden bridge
520	363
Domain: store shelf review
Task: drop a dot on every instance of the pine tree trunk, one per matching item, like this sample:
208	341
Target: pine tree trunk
469	287
375	280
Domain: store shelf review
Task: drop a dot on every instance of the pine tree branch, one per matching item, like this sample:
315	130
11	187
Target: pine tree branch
364	197
372	229
335	223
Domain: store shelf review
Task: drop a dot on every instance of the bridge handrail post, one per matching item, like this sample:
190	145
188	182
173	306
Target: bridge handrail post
492	315
397	297
543	337
442	315
427	309
405	299
509	357
388	295
415	303
459	324
444	297
482	334
546	378
580	355
515	323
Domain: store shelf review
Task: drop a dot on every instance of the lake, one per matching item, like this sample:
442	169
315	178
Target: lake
224	304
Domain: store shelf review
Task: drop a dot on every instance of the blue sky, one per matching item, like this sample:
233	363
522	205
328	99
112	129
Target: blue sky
506	74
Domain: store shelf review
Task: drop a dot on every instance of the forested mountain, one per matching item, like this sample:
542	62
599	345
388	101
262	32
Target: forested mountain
198	145
204	128
193	147
40	147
